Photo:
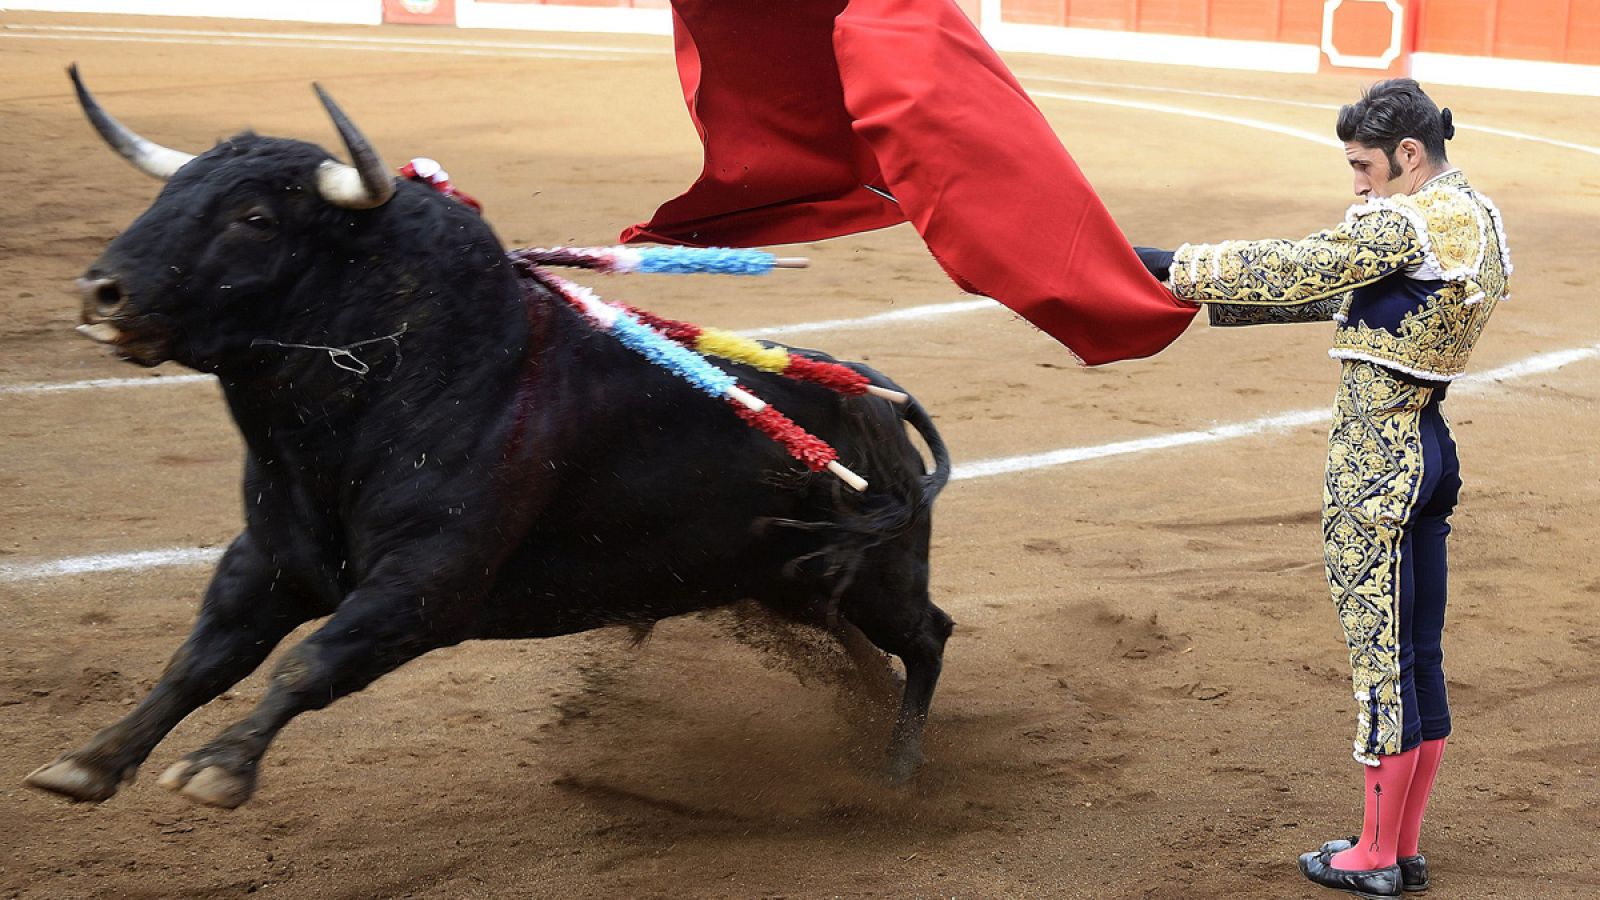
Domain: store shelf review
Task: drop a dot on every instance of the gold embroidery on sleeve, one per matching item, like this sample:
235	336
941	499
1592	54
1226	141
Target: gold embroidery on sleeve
1360	251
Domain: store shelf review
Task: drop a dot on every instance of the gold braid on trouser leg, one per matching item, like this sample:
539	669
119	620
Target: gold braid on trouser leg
1374	474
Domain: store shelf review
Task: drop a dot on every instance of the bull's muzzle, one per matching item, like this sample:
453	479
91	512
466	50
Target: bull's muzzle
108	317
103	301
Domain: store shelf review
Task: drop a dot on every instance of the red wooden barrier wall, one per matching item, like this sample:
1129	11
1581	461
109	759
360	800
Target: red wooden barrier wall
1288	21
1546	30
1563	31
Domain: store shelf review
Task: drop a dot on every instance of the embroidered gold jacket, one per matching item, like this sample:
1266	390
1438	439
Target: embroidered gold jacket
1411	280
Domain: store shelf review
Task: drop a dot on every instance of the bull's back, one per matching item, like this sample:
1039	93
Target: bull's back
662	500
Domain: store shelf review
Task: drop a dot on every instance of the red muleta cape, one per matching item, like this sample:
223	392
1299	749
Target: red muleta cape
806	106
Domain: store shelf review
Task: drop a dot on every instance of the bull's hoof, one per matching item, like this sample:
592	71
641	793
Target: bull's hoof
210	785
902	767
71	778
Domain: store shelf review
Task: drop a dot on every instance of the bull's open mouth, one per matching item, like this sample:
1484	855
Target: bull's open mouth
101	332
143	349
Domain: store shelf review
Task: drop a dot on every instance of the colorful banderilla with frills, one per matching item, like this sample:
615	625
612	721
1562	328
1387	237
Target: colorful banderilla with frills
661	260
713	341
693	368
778	360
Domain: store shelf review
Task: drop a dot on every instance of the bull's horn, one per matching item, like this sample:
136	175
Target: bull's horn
365	185
150	158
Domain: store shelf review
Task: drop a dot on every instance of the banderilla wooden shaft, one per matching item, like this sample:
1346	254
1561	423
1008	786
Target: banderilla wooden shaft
847	476
900	397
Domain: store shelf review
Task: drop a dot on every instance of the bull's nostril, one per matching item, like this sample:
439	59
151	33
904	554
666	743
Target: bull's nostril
108	298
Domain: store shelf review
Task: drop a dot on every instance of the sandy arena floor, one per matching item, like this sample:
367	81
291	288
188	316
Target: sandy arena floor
1144	696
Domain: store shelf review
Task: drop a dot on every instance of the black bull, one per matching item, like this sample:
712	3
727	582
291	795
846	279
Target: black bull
493	467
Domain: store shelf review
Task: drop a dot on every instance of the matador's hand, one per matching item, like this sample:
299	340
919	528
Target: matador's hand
1158	262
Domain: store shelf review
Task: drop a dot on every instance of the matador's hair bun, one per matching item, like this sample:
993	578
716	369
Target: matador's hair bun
1391	111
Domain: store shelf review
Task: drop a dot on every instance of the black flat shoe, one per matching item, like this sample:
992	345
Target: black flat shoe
1337	846
1368	884
1414	874
1413	869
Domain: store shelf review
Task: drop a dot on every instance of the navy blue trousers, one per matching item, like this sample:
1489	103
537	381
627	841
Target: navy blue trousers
1424	578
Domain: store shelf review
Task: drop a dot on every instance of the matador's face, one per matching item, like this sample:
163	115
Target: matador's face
1380	174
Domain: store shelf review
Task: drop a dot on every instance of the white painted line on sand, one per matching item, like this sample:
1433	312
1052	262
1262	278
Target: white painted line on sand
1160	89
1257	124
308	45
895	317
53	387
339	38
1066	456
1523	136
1535	365
110	562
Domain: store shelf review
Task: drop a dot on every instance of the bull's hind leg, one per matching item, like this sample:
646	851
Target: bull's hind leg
244	615
874	673
373	632
907	624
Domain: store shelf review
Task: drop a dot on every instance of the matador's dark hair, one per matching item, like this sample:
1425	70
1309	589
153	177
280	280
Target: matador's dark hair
1391	111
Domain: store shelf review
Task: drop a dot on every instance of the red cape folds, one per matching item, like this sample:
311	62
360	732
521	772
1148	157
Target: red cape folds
805	106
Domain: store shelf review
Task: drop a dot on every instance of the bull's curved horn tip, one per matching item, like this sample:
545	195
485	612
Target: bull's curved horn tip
149	157
365	185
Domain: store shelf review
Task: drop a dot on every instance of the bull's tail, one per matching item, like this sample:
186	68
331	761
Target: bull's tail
898	500
933	482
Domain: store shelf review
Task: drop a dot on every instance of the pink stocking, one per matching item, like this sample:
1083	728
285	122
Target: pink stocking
1388	783
1429	756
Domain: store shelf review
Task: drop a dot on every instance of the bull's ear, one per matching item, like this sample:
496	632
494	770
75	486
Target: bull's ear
365	185
147	156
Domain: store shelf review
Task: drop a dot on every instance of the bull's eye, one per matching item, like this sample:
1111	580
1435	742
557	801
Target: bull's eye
257	223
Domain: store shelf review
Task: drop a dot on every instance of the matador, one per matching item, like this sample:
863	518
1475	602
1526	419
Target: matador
1411	276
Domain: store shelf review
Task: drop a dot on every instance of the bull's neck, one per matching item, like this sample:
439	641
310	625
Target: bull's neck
401	367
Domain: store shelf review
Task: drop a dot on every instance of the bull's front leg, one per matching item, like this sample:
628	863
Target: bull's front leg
243	616
379	627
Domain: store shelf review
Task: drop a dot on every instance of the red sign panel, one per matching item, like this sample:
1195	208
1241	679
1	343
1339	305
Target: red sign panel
1372	37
